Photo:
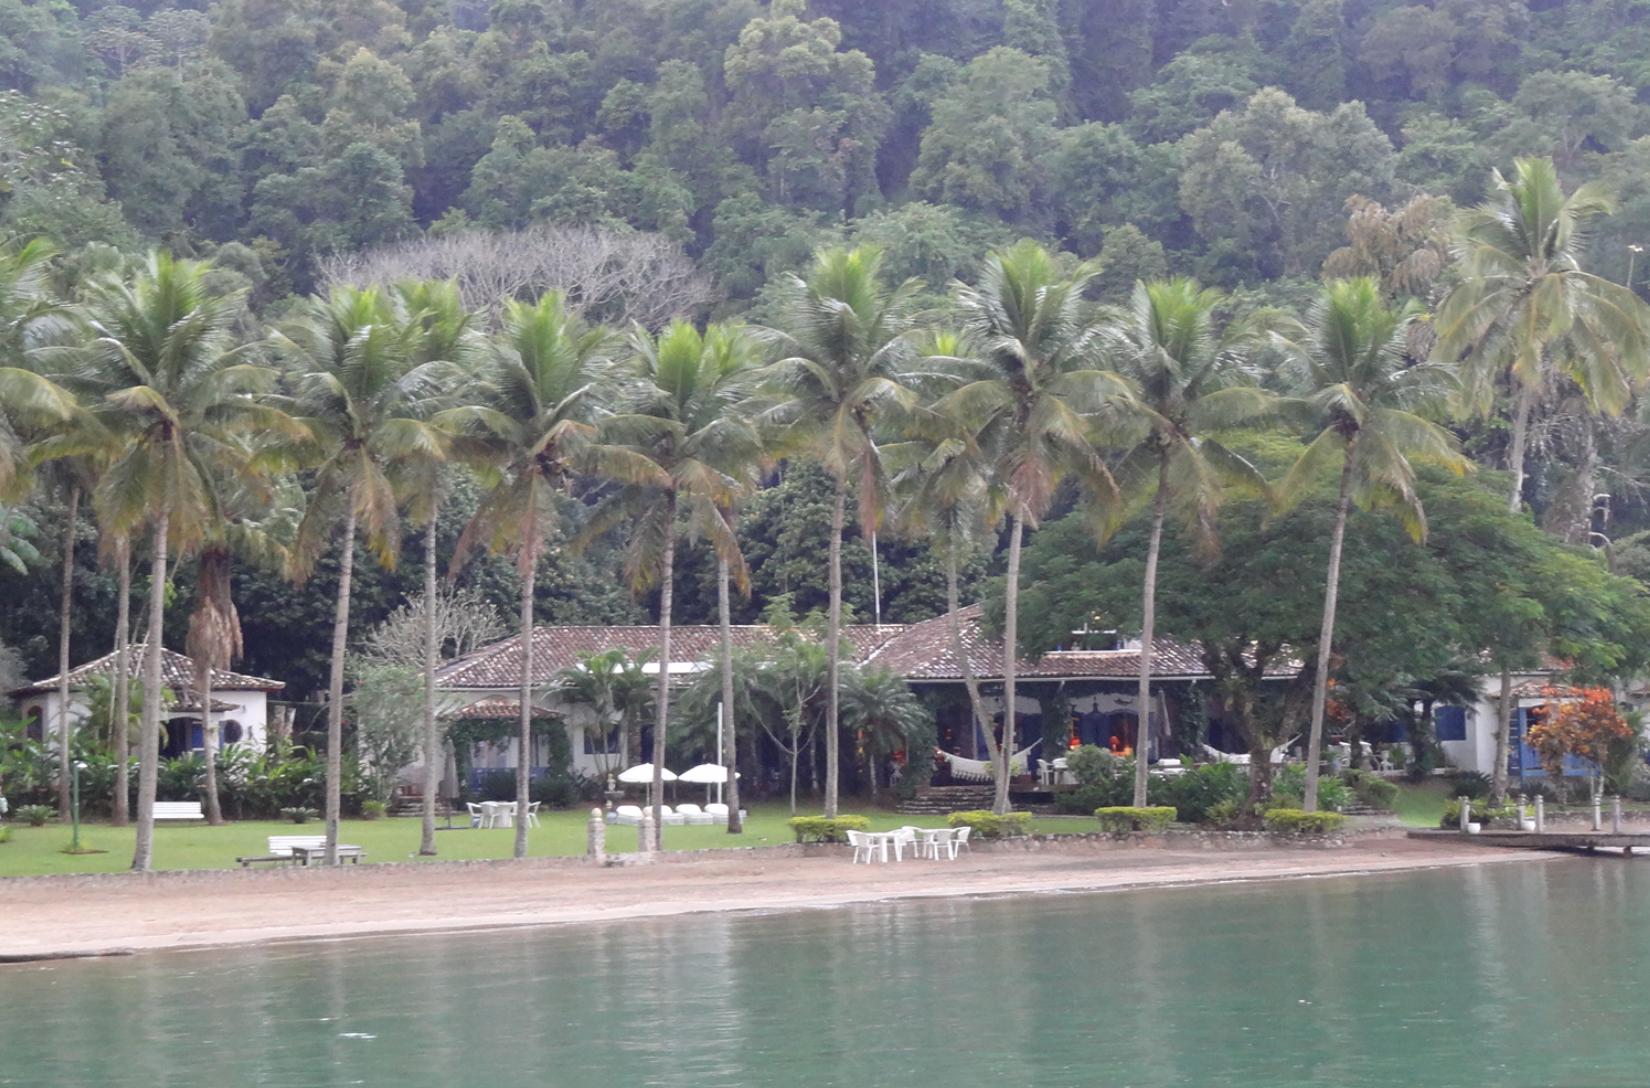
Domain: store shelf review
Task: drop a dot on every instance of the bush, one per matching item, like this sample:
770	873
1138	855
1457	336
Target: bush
1289	789
826	828
1092	765
1473	784
1371	789
1083	800
1504	816
373	809
989	825
1292	821
181	778
1197	790
35	815
1123	819
5	834
299	815
1227	813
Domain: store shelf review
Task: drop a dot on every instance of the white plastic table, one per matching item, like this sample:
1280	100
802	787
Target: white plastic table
498	813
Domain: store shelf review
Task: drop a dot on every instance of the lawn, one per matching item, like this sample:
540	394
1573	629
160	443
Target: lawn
1421	804
37	850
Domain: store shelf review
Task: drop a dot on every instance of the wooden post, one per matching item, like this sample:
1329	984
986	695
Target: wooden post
597	839
644	833
1540	814
1466	812
1615	814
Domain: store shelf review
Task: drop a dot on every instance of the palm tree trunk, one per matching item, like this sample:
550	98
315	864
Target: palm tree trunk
335	685
667	580
1148	621
796	756
1581	529
432	735
982	720
1503	739
1011	643
119	708
730	747
524	723
209	739
1326	636
1520	440
65	730
833	650
149	736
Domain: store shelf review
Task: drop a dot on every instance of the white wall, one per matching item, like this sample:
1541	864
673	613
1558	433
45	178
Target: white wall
251	709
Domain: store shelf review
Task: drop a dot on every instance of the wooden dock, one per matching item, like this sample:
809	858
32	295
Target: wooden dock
1582	841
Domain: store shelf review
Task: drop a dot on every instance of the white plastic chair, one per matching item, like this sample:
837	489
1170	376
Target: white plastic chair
478	815
902	838
863	846
533	813
959	841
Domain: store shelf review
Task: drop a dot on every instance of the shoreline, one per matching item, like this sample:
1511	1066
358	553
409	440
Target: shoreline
141	916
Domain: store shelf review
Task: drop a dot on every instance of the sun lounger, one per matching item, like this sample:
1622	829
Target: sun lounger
693	814
626	814
720	811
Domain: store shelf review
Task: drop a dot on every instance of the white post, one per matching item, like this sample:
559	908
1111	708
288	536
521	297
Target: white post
1466	811
719	749
597	842
644	832
1522	802
1615	814
1598	816
1540	814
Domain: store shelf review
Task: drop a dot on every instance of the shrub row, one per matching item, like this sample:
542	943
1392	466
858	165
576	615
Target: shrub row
1122	819
1292	821
826	828
990	825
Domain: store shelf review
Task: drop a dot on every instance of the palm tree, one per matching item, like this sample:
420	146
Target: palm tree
1363	399
844	366
535	418
28	314
689	451
1030	407
1525	311
443	331
163	373
1192	383
879	706
366	402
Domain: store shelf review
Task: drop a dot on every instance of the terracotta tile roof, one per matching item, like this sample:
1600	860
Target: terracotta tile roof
177	673
497	667
489	708
1540	689
923	651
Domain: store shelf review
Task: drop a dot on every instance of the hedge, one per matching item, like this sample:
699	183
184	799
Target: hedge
1122	819
826	828
989	825
1292	821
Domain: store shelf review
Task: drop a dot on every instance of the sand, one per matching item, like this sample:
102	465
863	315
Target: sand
65	916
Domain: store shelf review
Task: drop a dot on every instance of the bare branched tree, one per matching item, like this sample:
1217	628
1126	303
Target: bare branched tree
464	621
611	276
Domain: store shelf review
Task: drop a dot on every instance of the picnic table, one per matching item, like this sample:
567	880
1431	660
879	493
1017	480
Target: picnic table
303	854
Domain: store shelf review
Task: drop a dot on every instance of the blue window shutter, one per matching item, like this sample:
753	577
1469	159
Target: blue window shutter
1451	722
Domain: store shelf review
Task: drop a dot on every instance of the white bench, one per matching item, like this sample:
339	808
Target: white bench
280	848
179	810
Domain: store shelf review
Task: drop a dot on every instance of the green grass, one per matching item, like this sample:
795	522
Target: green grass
34	851
1421	804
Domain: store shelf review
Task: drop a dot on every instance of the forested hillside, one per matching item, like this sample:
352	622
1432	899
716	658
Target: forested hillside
1255	145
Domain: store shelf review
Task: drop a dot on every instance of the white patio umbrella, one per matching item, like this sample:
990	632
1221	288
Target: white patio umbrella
707	775
642	774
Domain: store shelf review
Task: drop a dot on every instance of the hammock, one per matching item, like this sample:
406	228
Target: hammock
1242	758
979	770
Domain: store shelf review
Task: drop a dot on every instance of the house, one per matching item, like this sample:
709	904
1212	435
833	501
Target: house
240	703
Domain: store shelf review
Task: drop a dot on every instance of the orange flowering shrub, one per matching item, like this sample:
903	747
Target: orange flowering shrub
1583	727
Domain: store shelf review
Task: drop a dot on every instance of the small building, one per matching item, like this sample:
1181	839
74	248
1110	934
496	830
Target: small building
240	703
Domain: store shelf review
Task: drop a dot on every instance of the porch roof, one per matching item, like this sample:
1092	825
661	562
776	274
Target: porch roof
177	672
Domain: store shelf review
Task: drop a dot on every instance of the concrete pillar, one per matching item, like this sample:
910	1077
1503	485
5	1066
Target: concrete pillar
597	838
1523	800
1466	811
1540	814
644	833
1615	814
1598	816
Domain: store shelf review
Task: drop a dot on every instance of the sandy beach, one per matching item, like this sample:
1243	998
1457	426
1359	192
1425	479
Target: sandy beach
117	915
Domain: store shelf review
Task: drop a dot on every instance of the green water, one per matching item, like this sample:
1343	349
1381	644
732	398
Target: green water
1528	975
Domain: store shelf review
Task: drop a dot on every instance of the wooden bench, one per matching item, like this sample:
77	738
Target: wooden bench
179	810
280	848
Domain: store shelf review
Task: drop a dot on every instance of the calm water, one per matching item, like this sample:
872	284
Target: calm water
1534	975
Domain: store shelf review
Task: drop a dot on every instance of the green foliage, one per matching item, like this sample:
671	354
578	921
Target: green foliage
1502	816
1290	787
1093	765
5	834
1370	788
299	814
826	828
1469	784
35	815
991	825
1198	791
373	809
1124	819
1292	821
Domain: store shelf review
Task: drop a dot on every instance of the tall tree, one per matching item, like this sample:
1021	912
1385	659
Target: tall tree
367	404
1030	406
1193	383
688	448
164	374
535	417
844	364
1363	398
1525	312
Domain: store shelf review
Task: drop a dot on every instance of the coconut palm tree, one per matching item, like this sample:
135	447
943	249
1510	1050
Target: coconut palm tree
29	317
443	331
844	367
163	373
690	450
367	402
1192	383
1525	312
534	418
1031	403
1364	399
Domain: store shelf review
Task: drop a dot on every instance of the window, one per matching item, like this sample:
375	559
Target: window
230	732
597	744
1451	722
